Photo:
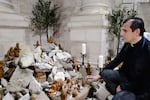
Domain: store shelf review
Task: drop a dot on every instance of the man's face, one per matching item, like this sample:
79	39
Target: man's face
126	33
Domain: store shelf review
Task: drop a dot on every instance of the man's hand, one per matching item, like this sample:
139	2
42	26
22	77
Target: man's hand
118	89
92	78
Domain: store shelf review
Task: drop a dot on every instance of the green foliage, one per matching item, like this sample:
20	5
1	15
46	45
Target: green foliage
116	19
45	15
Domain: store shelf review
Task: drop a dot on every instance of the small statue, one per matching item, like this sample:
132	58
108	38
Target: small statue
75	65
36	44
17	50
63	93
2	64
74	92
10	54
50	40
73	59
83	82
88	69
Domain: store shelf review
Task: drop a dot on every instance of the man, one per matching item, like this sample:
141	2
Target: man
132	80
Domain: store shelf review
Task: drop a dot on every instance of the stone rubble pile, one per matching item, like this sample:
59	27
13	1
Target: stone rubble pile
45	73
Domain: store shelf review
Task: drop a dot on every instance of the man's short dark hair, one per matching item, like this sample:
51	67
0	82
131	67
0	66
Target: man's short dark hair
136	23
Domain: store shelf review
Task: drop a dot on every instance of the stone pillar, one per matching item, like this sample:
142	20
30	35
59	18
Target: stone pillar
12	27
89	25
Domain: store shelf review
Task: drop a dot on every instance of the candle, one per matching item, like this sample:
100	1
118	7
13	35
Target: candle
83	48
101	61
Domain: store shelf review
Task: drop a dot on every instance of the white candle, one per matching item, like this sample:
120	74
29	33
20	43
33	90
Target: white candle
83	48
101	61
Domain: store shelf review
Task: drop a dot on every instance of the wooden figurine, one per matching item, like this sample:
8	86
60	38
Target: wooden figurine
83	82
36	44
50	40
74	92
10	54
63	93
89	69
75	65
17	50
2	64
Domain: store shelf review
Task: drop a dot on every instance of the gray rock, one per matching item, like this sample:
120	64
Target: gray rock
8	96
20	79
34	86
4	82
25	97
41	96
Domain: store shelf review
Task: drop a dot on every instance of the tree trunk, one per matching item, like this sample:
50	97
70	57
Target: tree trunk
118	43
41	38
47	33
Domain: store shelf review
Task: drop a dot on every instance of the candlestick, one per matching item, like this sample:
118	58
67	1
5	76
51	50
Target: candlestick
83	48
83	59
101	61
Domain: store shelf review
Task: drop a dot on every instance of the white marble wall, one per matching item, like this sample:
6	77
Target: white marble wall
69	38
12	27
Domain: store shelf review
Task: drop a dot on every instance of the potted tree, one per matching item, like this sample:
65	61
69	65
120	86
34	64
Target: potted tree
116	18
45	15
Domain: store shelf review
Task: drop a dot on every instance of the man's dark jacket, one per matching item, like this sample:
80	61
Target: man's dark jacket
135	67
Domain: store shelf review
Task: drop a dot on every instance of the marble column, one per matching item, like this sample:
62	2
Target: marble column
89	25
12	27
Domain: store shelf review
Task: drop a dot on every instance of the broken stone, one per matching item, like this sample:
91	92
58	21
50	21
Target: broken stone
41	96
59	65
17	95
67	75
48	47
54	63
20	79
45	58
50	78
34	86
59	75
8	96
5	69
26	60
12	65
9	73
72	73
37	54
25	97
45	84
4	82
43	66
14	87
63	55
54	70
